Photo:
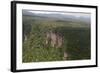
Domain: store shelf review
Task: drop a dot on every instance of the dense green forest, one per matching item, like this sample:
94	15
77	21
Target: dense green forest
76	39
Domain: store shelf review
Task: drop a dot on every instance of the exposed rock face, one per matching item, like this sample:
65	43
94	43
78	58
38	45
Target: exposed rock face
56	40
25	37
65	56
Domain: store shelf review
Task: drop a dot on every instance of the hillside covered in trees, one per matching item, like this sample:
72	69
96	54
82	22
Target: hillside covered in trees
55	37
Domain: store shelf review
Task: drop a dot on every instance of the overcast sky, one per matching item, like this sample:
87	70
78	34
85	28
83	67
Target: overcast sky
76	14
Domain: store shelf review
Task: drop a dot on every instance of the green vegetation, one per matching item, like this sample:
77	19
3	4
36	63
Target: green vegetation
76	40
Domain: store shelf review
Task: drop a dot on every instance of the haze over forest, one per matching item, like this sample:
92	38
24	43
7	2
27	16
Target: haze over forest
64	16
